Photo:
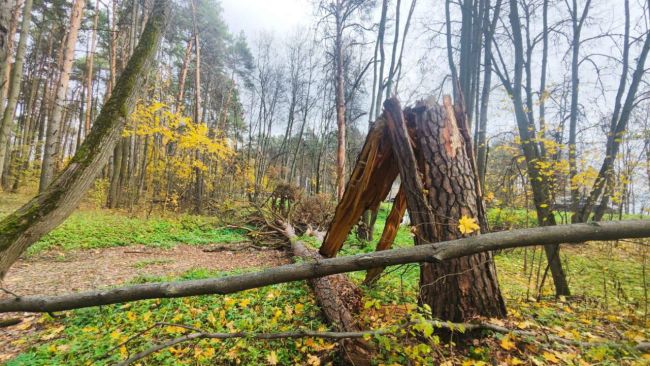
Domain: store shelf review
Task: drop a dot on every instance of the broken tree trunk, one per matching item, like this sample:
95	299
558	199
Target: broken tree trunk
391	227
440	184
339	300
369	184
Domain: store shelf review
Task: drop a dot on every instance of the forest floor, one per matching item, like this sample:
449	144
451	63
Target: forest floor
98	248
56	272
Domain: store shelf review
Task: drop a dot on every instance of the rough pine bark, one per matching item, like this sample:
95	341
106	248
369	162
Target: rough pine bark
441	187
44	212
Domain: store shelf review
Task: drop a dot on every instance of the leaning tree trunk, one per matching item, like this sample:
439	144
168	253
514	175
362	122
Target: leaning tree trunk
439	178
44	212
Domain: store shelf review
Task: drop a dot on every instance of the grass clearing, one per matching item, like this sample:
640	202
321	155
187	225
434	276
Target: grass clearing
606	278
102	229
94	336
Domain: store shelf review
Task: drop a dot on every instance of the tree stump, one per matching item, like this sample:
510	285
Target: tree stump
439	179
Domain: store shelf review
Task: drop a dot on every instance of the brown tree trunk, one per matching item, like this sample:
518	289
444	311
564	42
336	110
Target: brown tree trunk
44	212
6	8
440	182
198	186
6	124
55	123
339	299
369	184
9	13
183	74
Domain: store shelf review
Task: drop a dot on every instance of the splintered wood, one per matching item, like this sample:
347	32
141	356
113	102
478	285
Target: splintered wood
429	147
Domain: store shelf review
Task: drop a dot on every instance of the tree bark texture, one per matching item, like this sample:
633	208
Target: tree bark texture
55	122
6	7
340	301
14	83
340	102
44	212
90	62
444	184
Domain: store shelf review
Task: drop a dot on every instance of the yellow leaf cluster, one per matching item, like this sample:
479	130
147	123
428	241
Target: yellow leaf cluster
467	225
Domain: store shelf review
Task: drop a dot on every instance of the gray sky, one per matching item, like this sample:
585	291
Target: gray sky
255	16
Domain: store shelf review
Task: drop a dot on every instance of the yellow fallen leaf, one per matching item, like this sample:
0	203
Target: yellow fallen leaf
523	325
498	322
244	303
313	360
467	225
23	325
208	352
514	361
548	356
229	301
507	343
272	358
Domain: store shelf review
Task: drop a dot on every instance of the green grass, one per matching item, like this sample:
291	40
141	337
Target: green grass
93	336
500	218
611	273
151	262
607	279
102	229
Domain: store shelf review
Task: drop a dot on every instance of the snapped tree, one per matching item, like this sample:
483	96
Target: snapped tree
430	150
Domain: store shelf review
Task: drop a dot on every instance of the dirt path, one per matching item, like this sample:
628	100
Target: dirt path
53	273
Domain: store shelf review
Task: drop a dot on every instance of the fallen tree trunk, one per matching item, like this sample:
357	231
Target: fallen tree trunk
575	233
339	299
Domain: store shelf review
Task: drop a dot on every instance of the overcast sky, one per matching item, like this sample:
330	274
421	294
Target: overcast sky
255	16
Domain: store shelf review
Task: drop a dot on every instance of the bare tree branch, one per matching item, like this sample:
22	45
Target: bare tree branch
576	233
